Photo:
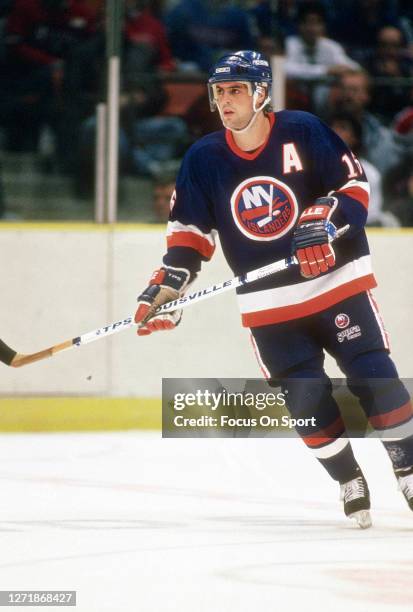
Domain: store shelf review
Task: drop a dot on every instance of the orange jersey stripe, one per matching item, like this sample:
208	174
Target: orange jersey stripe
191	240
357	193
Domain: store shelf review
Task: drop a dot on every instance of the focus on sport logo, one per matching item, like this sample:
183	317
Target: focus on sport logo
342	321
264	208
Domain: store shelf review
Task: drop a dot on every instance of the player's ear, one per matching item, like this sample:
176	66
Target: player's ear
262	94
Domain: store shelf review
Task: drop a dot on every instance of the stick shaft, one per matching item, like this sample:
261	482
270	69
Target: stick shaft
14	359
233	283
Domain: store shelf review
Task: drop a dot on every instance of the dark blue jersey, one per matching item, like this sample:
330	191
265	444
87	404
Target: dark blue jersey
253	201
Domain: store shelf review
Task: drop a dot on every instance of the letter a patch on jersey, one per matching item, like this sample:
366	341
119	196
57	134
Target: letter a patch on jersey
291	159
264	208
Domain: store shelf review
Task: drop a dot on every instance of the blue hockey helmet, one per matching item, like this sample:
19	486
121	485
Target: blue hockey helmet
244	66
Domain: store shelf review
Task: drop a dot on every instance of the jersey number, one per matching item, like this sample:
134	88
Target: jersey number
353	165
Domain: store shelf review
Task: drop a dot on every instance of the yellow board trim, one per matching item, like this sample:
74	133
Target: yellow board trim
28	414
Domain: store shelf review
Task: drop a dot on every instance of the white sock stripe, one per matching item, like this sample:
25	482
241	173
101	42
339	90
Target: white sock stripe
331	449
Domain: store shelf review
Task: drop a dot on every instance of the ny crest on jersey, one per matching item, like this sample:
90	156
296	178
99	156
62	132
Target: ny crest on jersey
264	208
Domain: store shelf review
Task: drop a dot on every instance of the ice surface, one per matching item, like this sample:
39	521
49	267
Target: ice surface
134	522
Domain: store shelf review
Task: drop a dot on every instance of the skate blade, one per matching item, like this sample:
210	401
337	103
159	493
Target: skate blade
362	518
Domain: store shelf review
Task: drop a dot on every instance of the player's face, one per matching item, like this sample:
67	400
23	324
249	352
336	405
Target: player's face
235	103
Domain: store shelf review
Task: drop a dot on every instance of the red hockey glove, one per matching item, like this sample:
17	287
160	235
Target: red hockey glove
166	284
312	236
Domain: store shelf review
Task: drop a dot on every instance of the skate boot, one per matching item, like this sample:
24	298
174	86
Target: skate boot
405	480
356	497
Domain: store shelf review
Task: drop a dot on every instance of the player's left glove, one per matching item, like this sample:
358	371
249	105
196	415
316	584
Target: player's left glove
312	236
167	284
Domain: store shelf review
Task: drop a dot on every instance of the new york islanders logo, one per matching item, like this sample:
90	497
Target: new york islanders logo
342	320
264	208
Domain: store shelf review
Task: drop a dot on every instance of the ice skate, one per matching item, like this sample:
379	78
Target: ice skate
356	497
405	480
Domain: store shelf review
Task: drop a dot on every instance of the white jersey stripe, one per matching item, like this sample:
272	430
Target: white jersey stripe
301	292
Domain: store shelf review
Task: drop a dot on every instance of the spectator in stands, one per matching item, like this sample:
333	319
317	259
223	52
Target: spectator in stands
148	141
275	17
399	183
200	120
199	31
146	42
25	105
163	189
390	58
5	6
379	144
311	56
145	49
40	35
398	189
406	21
350	130
403	123
357	23
41	32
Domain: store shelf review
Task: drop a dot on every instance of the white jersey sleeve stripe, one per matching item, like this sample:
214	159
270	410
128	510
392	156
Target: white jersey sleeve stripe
353	183
176	226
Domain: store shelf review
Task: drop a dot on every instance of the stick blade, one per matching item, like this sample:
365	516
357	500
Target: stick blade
20	359
6	353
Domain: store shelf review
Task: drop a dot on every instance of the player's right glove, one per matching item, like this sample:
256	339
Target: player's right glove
167	284
312	236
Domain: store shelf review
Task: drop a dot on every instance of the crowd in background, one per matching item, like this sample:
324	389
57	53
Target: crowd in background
348	61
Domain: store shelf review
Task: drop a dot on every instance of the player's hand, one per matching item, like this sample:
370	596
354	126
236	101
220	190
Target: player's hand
167	284
312	236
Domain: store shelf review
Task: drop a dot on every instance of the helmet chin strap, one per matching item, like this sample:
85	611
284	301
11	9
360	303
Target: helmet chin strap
253	117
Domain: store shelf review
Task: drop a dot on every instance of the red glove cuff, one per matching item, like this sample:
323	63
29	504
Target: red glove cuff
321	210
315	213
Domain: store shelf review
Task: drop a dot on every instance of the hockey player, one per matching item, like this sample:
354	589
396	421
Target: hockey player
271	185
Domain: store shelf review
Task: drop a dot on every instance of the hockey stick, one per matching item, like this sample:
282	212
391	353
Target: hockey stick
16	360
